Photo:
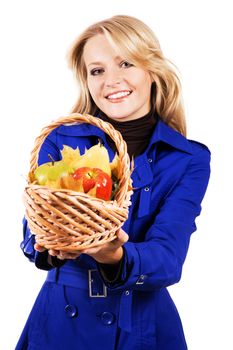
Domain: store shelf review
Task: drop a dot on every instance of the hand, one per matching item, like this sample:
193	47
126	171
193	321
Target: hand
108	253
39	248
111	252
62	255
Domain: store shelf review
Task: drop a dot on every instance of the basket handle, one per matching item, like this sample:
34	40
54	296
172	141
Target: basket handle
124	173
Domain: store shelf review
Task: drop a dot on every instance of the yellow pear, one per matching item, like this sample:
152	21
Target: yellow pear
95	157
69	154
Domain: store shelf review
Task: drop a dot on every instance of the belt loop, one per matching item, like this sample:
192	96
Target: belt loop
125	311
52	275
97	289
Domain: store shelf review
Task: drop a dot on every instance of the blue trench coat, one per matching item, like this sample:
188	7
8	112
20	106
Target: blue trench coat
75	309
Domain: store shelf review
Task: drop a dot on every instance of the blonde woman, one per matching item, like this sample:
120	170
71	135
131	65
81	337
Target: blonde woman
115	296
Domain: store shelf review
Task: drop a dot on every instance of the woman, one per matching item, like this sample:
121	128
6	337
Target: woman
115	296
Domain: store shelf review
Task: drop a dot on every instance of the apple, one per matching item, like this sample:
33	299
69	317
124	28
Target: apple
94	181
49	174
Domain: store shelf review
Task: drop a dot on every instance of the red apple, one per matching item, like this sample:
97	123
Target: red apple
96	181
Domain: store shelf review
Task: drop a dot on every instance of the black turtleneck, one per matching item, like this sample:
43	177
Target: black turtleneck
136	133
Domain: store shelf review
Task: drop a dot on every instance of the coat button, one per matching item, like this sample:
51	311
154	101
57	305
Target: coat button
107	318
150	160
71	311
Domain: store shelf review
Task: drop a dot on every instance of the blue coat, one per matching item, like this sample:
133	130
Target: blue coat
75	309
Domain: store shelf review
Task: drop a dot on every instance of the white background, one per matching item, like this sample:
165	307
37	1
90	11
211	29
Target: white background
37	87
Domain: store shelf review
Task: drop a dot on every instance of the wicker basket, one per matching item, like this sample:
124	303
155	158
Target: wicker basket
69	220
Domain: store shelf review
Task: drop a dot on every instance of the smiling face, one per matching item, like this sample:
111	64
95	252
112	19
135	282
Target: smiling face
118	88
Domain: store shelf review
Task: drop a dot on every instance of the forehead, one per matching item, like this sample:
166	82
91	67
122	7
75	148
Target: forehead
99	49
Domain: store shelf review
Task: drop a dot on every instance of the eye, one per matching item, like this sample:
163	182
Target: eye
126	64
96	71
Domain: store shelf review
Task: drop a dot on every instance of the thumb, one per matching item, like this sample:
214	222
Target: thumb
122	237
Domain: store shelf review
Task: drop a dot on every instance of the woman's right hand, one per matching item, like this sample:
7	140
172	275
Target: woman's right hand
62	255
39	248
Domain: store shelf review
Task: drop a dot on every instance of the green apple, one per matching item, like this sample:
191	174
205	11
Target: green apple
50	173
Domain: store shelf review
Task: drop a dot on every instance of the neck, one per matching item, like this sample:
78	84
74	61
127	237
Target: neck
136	133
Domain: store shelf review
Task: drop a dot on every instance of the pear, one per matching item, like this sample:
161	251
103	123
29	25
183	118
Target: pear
69	154
95	157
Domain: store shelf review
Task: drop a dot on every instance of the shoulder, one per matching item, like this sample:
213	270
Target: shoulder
199	149
201	155
77	129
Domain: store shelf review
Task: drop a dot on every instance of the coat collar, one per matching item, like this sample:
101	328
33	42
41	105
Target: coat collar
79	129
142	175
162	133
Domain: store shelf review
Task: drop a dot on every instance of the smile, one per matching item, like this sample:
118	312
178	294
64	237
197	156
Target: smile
118	95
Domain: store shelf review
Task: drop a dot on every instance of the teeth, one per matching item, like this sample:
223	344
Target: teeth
119	94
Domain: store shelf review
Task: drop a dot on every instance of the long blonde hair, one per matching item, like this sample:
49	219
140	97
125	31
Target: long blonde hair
137	42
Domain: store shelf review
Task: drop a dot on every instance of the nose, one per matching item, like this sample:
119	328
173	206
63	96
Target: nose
113	78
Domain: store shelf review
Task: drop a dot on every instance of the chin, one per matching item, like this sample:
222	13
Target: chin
118	115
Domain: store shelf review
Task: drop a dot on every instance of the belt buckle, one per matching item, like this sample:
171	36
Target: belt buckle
91	281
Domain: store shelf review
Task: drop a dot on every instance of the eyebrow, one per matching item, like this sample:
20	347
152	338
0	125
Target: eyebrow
94	64
97	63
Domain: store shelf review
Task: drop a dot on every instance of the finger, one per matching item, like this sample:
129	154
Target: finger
54	252
73	256
93	250
121	238
73	252
63	256
39	248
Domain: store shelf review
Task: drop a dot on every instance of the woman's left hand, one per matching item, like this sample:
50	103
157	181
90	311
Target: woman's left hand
111	252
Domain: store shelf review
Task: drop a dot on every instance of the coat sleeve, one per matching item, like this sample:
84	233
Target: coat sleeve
27	245
157	261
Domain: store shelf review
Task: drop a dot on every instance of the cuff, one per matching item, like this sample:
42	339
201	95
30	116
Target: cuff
41	261
112	273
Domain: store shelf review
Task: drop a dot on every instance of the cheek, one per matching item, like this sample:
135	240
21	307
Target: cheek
141	80
94	89
145	81
95	92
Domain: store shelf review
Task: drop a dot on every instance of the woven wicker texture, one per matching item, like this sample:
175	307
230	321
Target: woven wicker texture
68	220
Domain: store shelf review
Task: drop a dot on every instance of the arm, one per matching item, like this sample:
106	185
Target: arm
157	262
41	259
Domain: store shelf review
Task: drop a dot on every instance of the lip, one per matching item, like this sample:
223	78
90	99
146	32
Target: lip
117	92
